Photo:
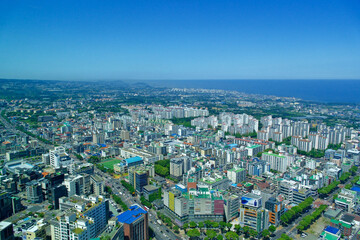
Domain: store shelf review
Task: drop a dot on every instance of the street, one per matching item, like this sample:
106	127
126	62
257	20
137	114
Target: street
160	230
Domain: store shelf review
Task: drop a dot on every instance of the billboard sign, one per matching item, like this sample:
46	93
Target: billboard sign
251	201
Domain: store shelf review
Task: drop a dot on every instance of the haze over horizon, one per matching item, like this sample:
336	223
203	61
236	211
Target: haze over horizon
162	40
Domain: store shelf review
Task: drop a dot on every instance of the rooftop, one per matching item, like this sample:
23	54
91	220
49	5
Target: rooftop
253	146
4	225
129	216
332	230
274	155
78	230
237	170
133	159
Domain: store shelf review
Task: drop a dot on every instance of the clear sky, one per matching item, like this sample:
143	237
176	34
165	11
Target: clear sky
186	39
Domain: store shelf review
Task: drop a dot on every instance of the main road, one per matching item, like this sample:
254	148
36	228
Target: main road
11	127
291	229
161	231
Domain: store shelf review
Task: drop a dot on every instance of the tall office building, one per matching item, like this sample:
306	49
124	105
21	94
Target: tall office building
274	210
97	184
5	205
231	207
251	212
138	177
176	167
99	138
34	192
135	222
6	231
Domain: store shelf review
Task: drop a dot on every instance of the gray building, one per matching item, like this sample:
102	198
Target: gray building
34	192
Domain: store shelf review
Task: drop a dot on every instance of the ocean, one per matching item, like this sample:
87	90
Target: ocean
326	91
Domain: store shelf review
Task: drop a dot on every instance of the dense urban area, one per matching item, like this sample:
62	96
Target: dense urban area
117	160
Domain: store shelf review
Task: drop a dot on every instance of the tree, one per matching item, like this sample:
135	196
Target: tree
193	233
231	235
201	225
237	228
272	228
215	224
220	237
222	226
193	224
229	226
253	233
108	189
168	221
211	233
265	233
176	229
285	237
246	230
94	159
207	223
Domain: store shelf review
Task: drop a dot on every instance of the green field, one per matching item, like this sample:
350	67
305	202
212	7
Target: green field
110	163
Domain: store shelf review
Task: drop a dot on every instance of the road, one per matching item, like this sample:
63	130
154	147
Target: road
291	230
11	127
161	231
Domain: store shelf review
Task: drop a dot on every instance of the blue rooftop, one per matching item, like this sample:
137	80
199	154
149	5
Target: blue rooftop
129	216
133	159
356	188
332	230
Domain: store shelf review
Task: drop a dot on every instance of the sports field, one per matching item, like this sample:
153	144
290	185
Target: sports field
110	163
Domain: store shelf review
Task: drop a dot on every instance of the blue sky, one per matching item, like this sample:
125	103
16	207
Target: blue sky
187	39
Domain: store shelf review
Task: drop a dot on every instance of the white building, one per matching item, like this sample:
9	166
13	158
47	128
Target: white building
278	162
236	175
59	158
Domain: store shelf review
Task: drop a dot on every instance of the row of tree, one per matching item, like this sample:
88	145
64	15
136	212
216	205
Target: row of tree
128	186
306	222
343	178
328	189
145	202
284	237
119	201
314	153
225	228
353	170
295	212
